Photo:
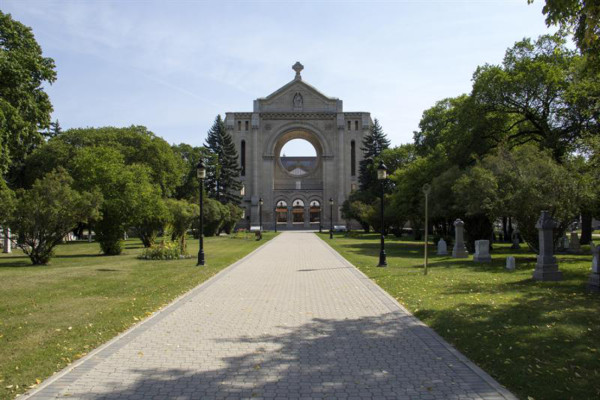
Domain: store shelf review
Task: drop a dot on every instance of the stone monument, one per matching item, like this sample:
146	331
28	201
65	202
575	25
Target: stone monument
574	246
442	248
515	240
594	280
459	250
510	263
7	245
546	268
482	251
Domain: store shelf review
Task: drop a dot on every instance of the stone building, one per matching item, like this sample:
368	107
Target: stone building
296	190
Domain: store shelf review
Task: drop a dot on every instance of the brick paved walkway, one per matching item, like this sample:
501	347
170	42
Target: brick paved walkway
292	320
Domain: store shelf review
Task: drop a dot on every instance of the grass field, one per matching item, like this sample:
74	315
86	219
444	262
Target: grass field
540	339
52	315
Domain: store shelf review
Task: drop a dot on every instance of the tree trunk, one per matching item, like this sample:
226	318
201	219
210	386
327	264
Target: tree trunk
586	228
504	228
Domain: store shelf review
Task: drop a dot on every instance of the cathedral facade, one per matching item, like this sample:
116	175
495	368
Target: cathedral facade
296	191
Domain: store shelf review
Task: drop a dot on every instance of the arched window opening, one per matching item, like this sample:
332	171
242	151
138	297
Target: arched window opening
298	211
353	158
315	211
298	157
281	209
243	157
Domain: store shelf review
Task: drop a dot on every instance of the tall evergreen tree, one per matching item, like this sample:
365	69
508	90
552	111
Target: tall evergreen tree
372	145
223	182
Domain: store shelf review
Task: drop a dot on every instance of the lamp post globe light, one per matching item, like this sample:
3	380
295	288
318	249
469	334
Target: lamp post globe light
331	218
382	176
260	204
201	174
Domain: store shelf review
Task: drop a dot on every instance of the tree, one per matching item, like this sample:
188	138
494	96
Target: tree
130	198
182	216
7	202
223	183
581	17
522	182
531	88
373	144
189	187
48	211
54	130
25	107
136	144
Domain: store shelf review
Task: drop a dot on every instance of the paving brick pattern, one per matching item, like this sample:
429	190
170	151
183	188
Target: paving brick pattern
293	320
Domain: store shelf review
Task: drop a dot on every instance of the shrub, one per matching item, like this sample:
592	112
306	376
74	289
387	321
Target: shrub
165	250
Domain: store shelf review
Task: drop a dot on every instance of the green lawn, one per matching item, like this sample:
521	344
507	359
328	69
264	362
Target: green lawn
52	315
540	339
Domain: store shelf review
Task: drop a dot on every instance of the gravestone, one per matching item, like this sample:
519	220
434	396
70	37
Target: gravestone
442	248
510	263
459	250
594	280
563	243
546	268
482	251
515	240
7	245
574	246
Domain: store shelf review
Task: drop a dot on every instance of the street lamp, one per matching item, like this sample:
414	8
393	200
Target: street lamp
201	174
331	218
382	176
426	190
260	204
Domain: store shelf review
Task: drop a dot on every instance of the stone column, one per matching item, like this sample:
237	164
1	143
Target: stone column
307	215
546	268
7	243
459	250
289	217
594	280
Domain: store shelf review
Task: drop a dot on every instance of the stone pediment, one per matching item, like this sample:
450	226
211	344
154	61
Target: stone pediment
298	96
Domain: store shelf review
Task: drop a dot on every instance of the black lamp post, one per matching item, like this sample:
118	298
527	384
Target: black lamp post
331	218
201	174
260	204
382	176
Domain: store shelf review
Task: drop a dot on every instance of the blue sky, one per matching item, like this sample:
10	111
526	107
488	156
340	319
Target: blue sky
174	65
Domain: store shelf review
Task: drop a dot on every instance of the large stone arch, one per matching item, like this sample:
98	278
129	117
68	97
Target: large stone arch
302	130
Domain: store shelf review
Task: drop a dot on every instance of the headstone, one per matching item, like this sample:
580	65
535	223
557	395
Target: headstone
442	248
482	251
546	268
459	250
594	280
515	240
563	243
7	248
510	263
575	246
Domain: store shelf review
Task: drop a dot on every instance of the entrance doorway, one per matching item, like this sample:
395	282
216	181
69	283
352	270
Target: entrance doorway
315	212
298	211
282	210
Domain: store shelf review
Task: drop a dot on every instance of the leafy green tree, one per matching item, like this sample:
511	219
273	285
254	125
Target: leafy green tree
48	211
373	144
581	17
189	188
25	107
130	196
522	182
150	214
223	183
7	202
54	130
183	215
136	145
531	87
